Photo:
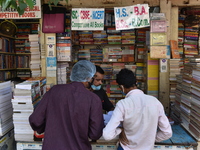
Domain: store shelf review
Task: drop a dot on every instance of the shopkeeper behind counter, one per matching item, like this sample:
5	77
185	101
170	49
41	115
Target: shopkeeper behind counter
96	87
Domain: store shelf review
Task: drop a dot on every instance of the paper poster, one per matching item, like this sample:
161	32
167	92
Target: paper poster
87	19
159	52
29	13
51	63
158	38
130	17
158	26
163	65
51	40
50	50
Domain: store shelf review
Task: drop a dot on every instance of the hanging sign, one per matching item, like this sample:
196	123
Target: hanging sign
11	13
87	19
130	17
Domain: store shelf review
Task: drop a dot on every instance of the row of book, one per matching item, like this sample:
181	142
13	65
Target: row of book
14	61
108	36
22	44
108	54
7	45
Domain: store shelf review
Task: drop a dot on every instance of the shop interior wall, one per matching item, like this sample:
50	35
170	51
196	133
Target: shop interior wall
170	8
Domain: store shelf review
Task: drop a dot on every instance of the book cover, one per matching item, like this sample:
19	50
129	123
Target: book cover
158	26
174	49
159	52
158	39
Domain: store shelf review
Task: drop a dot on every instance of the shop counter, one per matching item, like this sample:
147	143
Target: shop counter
181	140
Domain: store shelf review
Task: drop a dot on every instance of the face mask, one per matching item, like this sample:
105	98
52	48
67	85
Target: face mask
96	87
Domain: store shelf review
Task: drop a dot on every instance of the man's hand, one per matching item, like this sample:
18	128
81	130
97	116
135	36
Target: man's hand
122	138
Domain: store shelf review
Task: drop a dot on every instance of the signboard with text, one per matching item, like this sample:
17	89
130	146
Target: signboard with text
131	17
87	19
11	13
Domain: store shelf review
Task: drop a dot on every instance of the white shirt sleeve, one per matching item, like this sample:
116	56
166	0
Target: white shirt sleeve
165	130
111	130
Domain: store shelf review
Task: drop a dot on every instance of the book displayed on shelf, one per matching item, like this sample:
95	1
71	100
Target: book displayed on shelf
174	49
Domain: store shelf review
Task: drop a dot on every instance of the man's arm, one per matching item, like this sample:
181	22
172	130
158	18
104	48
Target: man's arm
111	130
165	130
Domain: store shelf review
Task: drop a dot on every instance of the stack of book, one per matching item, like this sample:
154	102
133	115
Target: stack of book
25	99
42	82
175	111
63	47
96	55
86	37
115	54
181	33
62	73
128	53
140	44
84	54
128	36
114	36
139	73
174	69
194	125
191	41
35	55
100	37
6	111
185	105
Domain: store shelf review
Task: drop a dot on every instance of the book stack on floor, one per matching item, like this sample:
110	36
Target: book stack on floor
194	125
35	55
62	72
6	111
26	97
175	67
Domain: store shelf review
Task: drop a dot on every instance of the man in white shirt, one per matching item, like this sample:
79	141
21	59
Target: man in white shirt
142	116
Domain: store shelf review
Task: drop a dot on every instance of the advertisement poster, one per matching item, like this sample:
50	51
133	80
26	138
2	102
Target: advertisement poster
51	63
50	50
11	13
87	19
131	17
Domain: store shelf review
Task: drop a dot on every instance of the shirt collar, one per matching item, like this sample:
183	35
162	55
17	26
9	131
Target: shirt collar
135	91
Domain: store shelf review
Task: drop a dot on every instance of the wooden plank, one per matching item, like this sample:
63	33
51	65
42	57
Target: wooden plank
185	2
181	137
51	79
165	7
42	46
174	24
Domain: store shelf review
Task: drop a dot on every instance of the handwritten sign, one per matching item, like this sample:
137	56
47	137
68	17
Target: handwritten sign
11	13
131	17
87	19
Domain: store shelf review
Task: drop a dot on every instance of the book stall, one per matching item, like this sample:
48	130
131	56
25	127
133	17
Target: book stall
164	55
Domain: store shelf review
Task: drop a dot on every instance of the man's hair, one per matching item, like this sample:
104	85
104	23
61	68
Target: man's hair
99	69
126	78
